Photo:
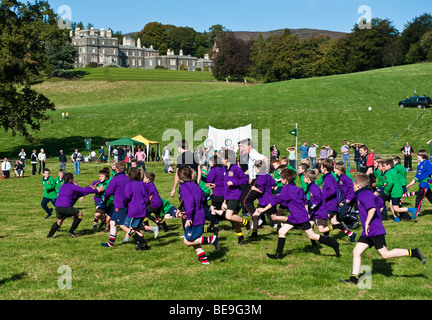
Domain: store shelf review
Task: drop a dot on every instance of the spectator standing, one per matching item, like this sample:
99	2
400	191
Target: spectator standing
345	155
34	162
22	156
407	151
304	148
140	156
312	154
101	154
275	153
166	157
292	156
76	159
42	159
357	156
62	161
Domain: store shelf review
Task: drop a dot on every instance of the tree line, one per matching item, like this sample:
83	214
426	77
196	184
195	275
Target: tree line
285	56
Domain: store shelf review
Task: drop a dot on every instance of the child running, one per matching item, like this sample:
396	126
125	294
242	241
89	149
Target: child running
234	177
69	193
49	192
330	198
295	199
373	233
262	189
215	181
116	188
393	191
346	189
193	200
155	201
136	198
424	171
317	211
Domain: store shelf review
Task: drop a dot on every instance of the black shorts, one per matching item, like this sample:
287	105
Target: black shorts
233	205
393	201
217	202
301	226
378	241
62	212
156	211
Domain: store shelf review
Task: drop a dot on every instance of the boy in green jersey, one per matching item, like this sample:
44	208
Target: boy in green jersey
102	209
49	192
59	180
393	191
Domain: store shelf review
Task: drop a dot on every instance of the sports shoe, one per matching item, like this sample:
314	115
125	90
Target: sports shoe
350	281
275	256
417	253
352	237
216	244
240	240
106	245
396	219
72	235
48	215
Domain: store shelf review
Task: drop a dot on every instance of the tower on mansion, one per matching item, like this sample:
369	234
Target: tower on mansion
100	47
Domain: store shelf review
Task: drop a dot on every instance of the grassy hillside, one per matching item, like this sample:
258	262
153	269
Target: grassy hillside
328	110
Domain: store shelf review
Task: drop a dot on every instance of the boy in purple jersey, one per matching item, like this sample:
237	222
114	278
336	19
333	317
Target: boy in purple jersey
136	198
234	177
346	187
116	188
295	199
317	211
215	181
331	199
193	200
370	206
261	189
69	193
155	201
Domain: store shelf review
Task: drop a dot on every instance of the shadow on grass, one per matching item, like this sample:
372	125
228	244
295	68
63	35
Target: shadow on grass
384	267
15	277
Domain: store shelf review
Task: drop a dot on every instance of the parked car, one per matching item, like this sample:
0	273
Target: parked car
419	102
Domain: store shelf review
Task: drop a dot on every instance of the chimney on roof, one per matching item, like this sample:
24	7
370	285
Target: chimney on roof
102	32
109	33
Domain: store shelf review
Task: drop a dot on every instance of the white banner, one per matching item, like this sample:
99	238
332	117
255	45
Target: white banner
219	138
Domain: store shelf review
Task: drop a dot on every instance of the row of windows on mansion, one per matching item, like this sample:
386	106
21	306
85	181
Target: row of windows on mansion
100	47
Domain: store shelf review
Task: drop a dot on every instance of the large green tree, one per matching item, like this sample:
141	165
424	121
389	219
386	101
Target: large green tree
24	31
368	46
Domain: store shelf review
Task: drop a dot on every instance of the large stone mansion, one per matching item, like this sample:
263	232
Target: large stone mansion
100	47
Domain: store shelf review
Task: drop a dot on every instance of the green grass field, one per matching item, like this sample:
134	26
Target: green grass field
328	110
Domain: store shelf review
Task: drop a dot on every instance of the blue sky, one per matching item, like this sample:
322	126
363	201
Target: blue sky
240	15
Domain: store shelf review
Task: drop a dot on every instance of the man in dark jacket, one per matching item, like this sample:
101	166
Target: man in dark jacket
62	160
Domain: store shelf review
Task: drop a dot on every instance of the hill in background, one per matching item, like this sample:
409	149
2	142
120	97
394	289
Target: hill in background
301	33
